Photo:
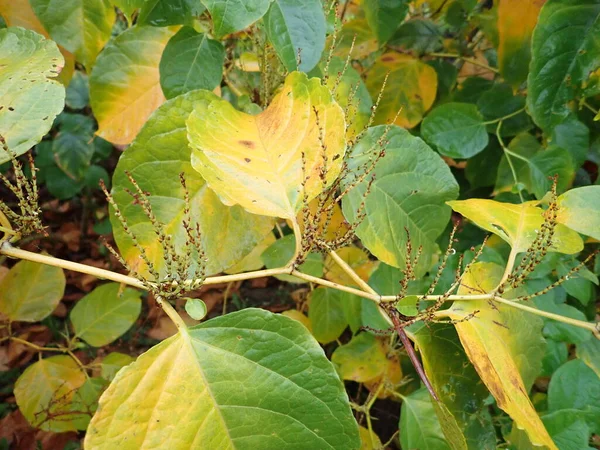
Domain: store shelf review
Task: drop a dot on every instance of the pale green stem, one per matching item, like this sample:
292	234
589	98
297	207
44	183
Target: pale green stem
508	154
170	311
465	59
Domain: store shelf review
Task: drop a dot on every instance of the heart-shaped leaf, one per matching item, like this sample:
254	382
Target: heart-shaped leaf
163	143
301	404
30	97
411	185
256	161
579	209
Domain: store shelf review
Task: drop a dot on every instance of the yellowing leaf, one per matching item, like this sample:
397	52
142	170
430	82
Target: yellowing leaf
362	359
250	349
337	226
391	377
411	88
516	224
31	291
516	21
18	13
505	345
44	393
253	260
81	26
256	161
356	258
579	209
125	83
368	440
298	316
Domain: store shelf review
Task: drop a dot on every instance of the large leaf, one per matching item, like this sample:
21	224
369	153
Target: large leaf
456	130
275	403
296	28
565	52
105	314
256	161
411	185
30	98
81	26
516	21
462	411
125	82
191	61
229	16
411	88
506	347
579	209
516	224
589	353
31	291
384	16
419	426
163	143
45	391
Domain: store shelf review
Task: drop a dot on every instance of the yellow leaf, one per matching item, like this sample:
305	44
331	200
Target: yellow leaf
516	21
499	341
18	13
297	315
391	378
44	393
356	258
516	224
411	88
362	359
358	30
369	441
125	83
338	225
256	161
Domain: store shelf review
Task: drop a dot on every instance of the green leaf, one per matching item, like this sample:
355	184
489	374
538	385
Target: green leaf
565	52
281	252
362	359
559	331
576	386
456	130
462	412
419	426
589	352
409	92
229	16
105	314
556	355
44	393
499	102
418	35
516	224
447	74
112	363
579	284
195	308
482	168
257	161
73	153
384	16
162	13
31	291
573	136
191	61
505	345
386	280
275	404
78	91
534	166
30	97
567	428
125	83
83	27
410	189
516	21
579	209
163	143
327	314
296	29
471	89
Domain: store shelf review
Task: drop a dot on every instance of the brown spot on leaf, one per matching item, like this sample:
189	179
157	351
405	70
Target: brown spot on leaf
248	144
247	160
